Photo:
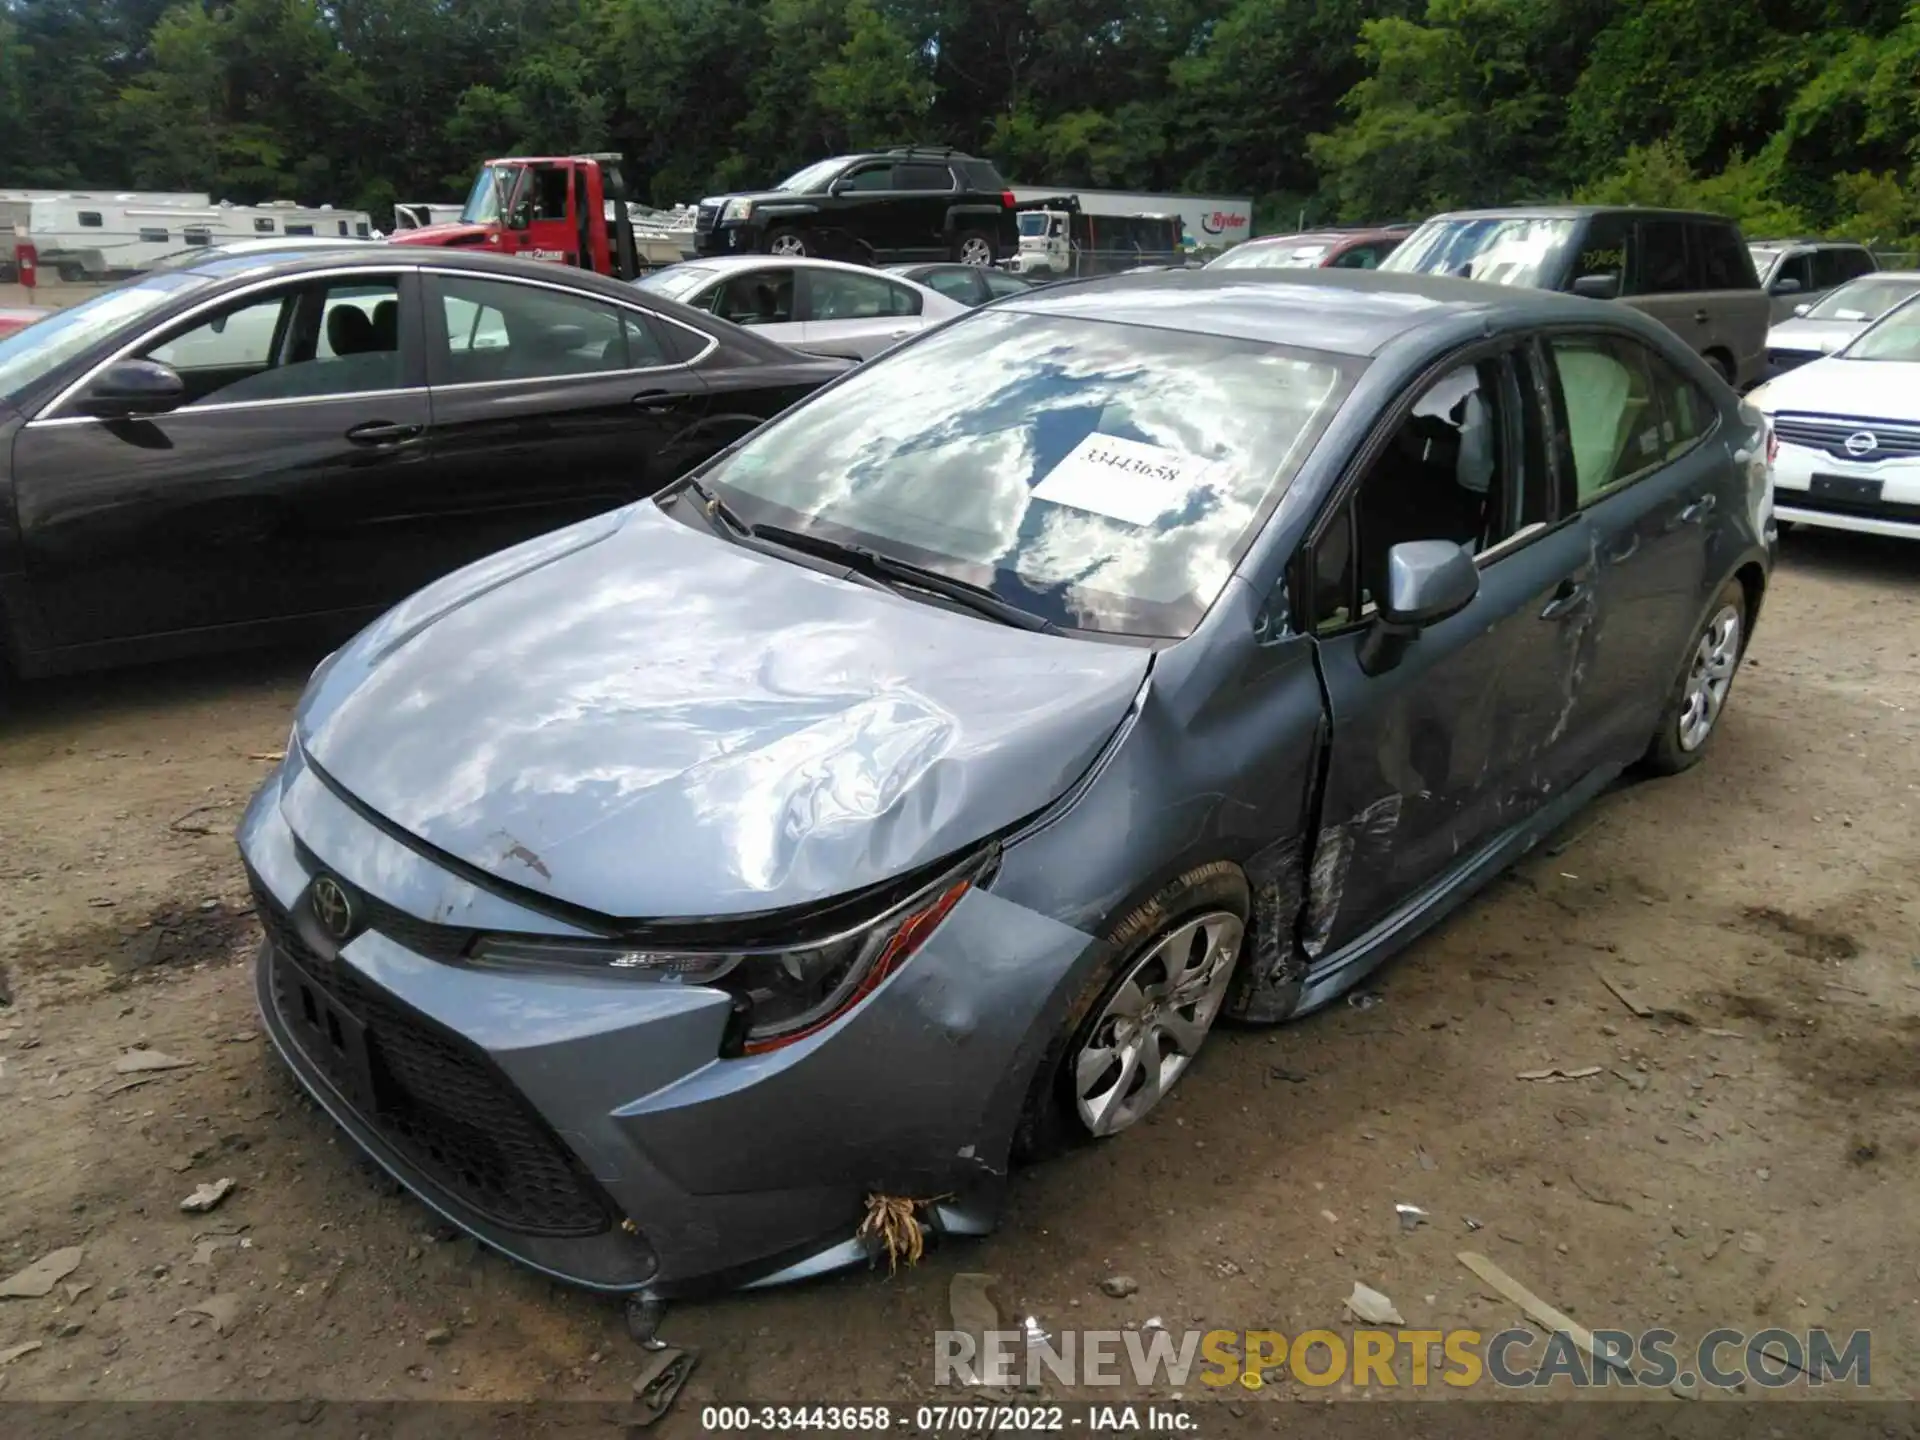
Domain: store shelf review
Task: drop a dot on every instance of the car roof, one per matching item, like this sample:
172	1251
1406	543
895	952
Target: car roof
1577	212
760	262
1350	312
1324	237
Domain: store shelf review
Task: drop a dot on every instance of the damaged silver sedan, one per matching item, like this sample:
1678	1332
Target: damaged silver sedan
913	788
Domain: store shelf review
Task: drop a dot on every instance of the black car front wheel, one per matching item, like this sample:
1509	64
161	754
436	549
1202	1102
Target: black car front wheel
789	242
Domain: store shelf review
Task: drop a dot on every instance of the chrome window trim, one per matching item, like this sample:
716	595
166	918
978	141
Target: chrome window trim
232	405
49	413
712	342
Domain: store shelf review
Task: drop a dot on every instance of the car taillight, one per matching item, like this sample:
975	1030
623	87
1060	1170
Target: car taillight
1006	200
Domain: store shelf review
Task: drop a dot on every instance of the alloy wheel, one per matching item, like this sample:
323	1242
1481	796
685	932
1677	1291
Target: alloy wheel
1714	661
787	245
1154	1022
975	251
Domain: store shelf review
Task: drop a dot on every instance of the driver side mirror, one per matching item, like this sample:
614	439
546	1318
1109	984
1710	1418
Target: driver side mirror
1785	285
1427	581
1598	287
132	388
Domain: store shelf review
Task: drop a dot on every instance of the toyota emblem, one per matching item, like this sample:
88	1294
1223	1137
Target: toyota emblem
331	907
1862	442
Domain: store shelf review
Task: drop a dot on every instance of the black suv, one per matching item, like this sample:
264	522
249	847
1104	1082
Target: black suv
913	203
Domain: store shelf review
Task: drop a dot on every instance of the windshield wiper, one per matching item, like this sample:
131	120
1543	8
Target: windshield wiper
872	563
713	507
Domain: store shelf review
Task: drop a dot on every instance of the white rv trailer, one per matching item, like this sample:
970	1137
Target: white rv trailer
82	236
121	197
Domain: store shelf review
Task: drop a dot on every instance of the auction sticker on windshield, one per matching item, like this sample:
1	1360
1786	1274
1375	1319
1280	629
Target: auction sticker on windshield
1124	479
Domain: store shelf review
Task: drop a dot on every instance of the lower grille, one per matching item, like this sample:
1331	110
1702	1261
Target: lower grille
1891	440
1834	505
429	1094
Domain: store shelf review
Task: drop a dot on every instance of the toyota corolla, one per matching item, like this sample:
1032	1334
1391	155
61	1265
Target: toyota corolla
912	788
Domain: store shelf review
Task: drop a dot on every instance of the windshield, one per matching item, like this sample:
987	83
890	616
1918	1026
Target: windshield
815	176
1033	222
676	282
1896	336
1278	256
491	189
1867	299
1104	476
32	354
1503	250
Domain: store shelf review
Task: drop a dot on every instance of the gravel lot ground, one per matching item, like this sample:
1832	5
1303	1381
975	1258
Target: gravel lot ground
1746	1155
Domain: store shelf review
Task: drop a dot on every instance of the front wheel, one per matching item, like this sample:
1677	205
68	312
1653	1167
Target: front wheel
974	247
1143	1020
1692	713
787	242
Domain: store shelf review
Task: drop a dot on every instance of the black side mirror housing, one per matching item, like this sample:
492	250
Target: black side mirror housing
1785	285
1598	287
131	388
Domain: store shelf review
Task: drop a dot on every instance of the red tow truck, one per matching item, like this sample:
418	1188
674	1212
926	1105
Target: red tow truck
570	210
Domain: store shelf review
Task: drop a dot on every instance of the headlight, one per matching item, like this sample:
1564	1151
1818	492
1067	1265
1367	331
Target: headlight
779	995
736	210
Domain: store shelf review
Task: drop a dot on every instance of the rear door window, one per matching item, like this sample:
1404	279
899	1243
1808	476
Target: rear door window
919	175
847	295
1837	266
1662	266
498	331
955	284
1613	418
1719	260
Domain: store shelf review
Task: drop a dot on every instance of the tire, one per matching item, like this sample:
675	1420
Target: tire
975	247
1691	717
788	241
70	273
1720	365
1196	923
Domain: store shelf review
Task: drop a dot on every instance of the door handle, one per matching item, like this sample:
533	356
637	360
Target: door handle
657	399
383	432
1697	511
1571	595
1700	317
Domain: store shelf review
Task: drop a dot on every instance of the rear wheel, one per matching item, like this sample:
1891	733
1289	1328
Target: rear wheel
788	242
974	247
1692	713
1142	1021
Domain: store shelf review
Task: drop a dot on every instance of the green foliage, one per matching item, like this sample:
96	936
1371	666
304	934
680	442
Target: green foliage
1787	114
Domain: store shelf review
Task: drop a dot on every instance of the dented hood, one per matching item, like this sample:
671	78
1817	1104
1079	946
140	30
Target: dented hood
651	722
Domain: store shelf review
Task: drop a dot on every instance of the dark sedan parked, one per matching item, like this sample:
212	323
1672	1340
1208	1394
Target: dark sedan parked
227	451
914	786
969	284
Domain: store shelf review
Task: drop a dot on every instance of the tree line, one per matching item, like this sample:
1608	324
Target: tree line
1791	115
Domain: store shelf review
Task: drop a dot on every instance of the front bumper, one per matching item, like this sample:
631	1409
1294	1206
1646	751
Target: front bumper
584	1124
1887	502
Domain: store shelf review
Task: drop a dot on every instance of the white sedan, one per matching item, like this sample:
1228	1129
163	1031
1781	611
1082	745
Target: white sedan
824	306
1848	432
1828	323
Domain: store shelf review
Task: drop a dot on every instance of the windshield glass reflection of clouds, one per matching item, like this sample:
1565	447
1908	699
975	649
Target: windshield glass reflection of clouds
1895	337
1500	251
946	454
1864	299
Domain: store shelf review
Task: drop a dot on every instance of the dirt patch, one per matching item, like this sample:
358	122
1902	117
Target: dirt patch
1803	937
1747	1151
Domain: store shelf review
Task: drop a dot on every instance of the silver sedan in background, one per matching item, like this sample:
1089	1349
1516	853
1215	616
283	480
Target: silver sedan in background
1831	322
825	306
